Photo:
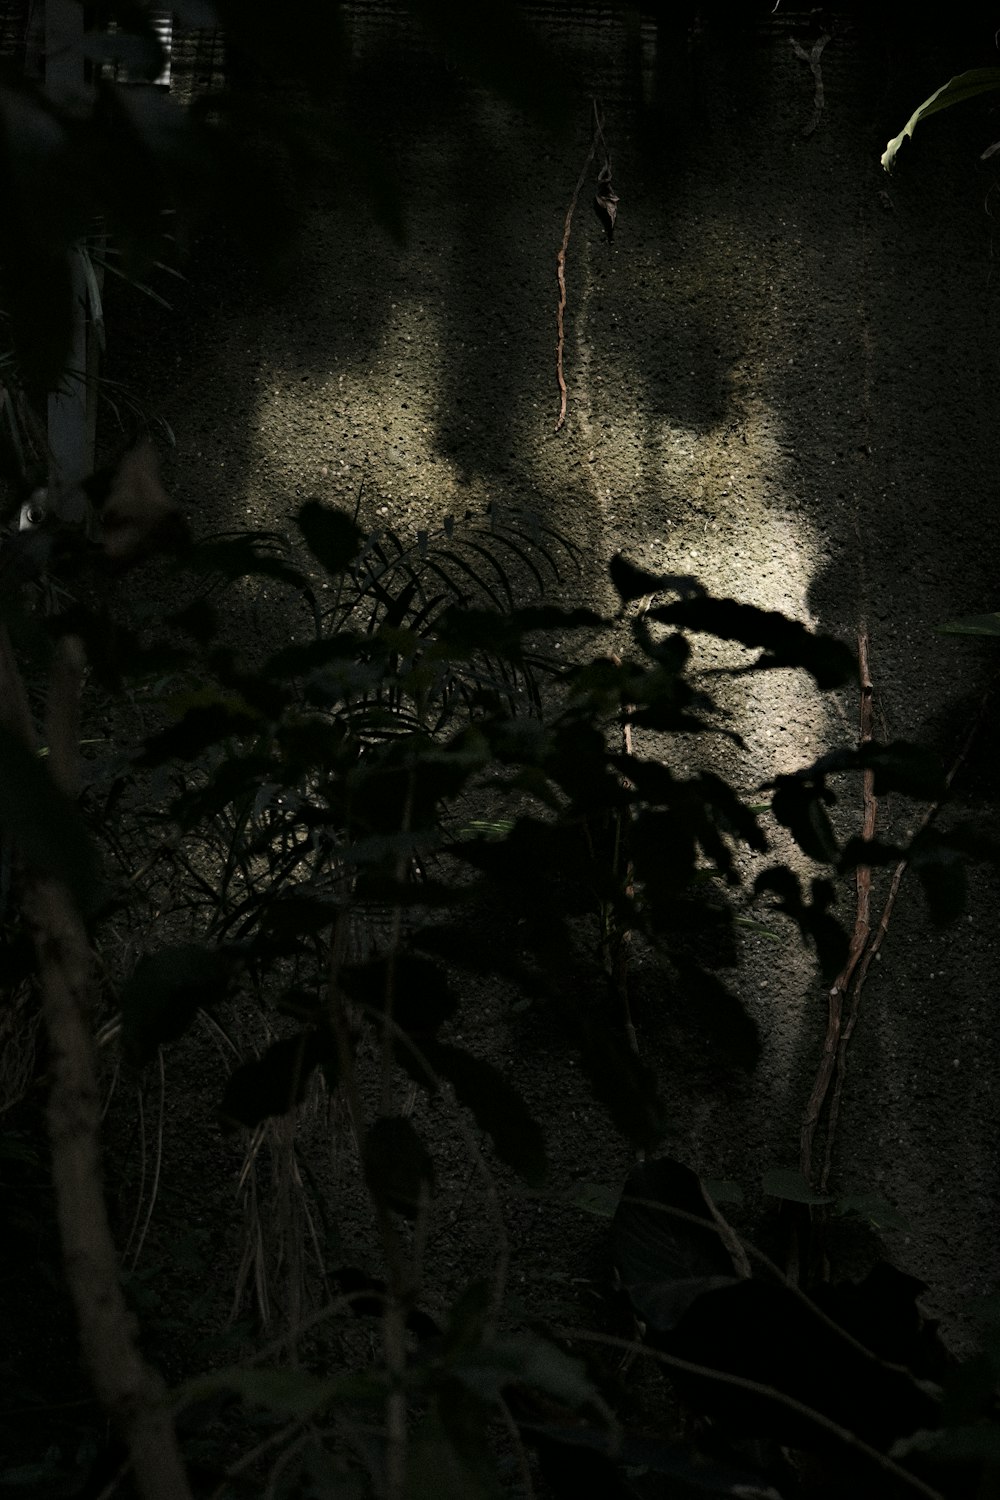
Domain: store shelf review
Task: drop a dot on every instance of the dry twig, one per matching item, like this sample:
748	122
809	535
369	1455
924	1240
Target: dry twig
561	270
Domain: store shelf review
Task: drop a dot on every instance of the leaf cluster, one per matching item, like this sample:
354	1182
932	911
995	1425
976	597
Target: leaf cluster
334	788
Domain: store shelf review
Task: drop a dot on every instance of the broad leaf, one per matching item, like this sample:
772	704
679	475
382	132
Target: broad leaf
765	1333
579	1459
869	1206
956	91
594	1198
495	1104
166	989
242	557
331	535
468	1318
527	1360
666	1243
974	1442
288	1392
416	989
398	1167
972	625
791	1186
623	1083
438	1470
201	727
275	1082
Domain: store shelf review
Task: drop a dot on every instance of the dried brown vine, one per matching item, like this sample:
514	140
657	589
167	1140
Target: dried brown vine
561	269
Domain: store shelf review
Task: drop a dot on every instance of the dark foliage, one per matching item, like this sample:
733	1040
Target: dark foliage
316	814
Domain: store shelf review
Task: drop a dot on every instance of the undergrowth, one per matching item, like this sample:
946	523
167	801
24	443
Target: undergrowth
319	834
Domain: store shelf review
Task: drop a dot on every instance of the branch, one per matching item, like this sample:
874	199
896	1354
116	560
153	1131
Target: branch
130	1391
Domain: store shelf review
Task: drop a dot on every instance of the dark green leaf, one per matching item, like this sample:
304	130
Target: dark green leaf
237	776
332	536
417	989
460	945
970	1388
764	1333
584	1459
665	1242
295	915
790	1185
496	1106
869	1206
594	1198
525	1359
975	1442
398	1168
166	989
276	1082
200	620
721	1190
310	656
956	91
973	625
199	728
290	1393
450	1454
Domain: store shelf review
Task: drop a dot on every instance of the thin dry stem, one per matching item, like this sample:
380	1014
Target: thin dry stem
561	270
767	1392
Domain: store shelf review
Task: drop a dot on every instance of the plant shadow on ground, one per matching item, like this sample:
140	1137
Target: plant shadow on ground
393	843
